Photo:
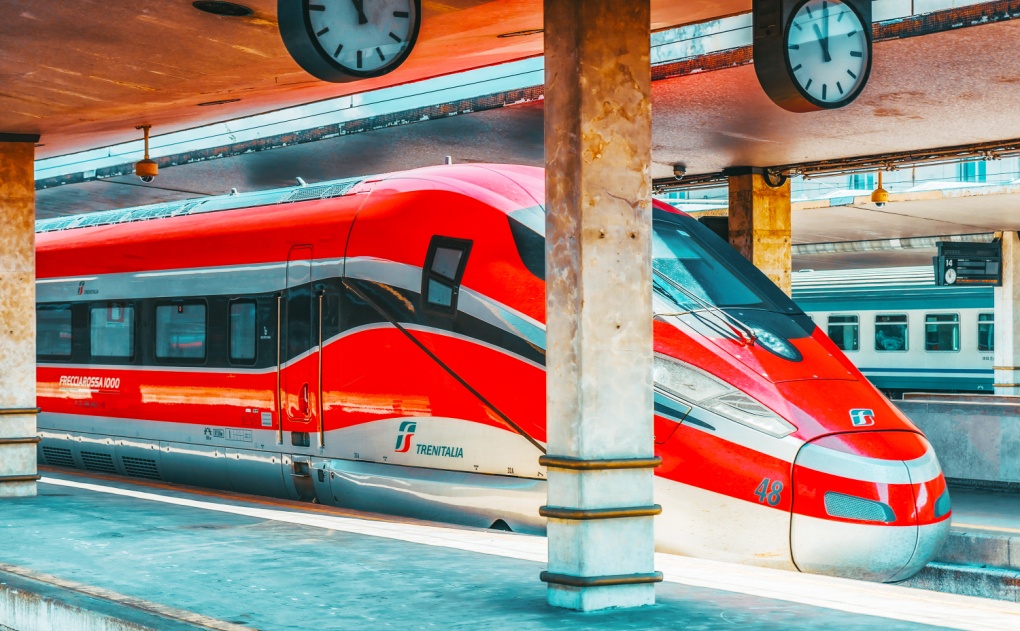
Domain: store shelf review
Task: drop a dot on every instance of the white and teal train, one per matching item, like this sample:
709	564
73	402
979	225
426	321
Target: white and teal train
904	333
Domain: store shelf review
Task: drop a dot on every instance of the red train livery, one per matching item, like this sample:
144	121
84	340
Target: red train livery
379	344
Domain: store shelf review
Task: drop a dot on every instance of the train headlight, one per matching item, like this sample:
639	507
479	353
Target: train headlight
695	386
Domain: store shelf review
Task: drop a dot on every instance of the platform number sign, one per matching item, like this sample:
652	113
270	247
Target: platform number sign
961	263
769	492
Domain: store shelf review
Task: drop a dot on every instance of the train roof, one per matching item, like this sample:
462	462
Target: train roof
883	289
232	201
438	175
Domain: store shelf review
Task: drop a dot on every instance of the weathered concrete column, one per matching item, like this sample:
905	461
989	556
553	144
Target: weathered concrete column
760	224
1007	317
598	304
17	316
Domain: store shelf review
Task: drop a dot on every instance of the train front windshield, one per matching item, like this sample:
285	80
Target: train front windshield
686	252
705	266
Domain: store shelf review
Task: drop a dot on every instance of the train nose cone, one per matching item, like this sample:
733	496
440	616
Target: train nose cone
868	505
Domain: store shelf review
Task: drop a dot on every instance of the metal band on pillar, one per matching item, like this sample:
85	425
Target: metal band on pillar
578	514
20	441
4	479
19	411
605	464
600	581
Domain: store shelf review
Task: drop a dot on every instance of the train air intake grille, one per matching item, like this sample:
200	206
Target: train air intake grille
140	467
850	507
95	461
58	456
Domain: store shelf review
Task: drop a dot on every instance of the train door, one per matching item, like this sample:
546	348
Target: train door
299	363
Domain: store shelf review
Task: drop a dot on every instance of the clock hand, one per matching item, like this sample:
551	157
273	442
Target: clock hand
824	42
360	6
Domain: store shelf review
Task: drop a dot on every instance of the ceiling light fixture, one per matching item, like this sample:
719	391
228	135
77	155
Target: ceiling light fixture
524	33
218	7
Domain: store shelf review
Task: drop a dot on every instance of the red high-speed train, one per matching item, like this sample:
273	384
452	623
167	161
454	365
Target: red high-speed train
379	344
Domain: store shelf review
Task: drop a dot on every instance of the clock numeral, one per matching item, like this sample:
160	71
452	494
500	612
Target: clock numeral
359	59
840	16
852	75
395	38
851	33
794	46
825	88
338	49
856	53
799	27
322	32
839	87
316	7
401	14
807	85
797	67
378	51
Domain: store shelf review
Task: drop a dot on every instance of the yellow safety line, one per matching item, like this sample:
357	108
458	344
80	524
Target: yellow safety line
999	528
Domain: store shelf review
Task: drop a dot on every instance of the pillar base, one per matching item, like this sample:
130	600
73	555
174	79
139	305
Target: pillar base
598	598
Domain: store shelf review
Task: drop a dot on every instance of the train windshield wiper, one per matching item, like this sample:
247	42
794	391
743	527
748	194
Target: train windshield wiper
744	332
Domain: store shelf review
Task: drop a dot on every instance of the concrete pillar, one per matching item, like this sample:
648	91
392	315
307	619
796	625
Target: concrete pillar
1007	312
759	223
598	304
17	316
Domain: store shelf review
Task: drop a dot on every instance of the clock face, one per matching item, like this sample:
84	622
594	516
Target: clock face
950	276
363	36
347	40
827	49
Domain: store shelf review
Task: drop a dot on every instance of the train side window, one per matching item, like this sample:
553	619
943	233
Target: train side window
891	332
444	269
112	330
53	332
986	332
181	331
844	331
942	332
243	325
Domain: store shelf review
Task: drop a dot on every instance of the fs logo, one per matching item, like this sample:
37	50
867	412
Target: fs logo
81	288
404	437
862	417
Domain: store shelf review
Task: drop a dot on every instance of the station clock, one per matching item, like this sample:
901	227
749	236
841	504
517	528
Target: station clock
812	55
348	40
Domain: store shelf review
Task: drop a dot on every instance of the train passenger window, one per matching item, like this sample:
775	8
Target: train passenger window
53	331
180	331
242	331
844	331
891	332
986	332
112	330
941	332
444	269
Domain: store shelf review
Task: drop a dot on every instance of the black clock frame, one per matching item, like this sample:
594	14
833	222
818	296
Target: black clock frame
772	20
299	38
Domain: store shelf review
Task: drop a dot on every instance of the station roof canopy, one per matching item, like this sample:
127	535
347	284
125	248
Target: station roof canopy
84	73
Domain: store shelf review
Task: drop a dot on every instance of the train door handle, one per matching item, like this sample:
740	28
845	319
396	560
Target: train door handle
304	399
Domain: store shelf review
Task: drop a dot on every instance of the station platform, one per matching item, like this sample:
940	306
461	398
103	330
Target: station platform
100	553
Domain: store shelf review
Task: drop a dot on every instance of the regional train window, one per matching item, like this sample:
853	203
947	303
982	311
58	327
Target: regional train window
941	332
112	330
444	269
180	331
53	331
844	331
242	331
891	332
986	332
